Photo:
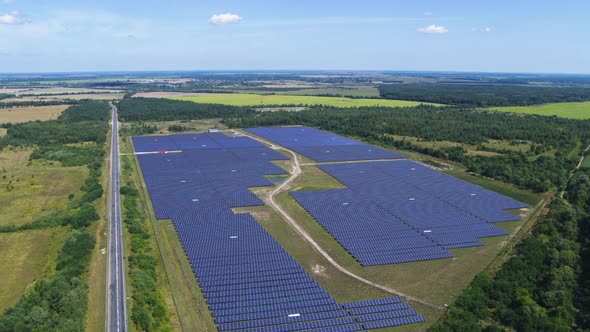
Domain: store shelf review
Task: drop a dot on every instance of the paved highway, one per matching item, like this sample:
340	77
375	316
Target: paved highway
117	306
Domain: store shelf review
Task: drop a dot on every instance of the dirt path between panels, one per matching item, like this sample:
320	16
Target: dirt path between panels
296	171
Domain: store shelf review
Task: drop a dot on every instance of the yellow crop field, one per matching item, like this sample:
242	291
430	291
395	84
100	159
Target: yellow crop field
245	99
30	113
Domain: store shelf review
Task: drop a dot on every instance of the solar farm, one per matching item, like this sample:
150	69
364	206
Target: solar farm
392	211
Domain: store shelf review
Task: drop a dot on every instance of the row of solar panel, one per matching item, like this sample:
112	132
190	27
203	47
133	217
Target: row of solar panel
356	217
192	141
459	193
322	146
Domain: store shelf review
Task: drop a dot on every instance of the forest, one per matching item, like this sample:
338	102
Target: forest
579	195
153	109
545	286
529	170
482	95
59	302
535	289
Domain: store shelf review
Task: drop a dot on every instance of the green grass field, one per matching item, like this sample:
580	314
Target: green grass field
29	190
26	256
579	110
586	161
244	99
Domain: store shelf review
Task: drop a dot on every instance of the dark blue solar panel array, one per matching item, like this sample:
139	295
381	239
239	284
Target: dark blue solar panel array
381	313
249	281
192	141
401	211
322	146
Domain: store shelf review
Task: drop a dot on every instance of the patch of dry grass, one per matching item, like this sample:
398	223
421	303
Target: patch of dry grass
30	113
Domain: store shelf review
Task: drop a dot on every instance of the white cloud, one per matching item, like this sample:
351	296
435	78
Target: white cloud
434	29
12	18
226	18
487	29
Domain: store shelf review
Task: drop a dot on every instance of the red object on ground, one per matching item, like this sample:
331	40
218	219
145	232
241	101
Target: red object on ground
161	151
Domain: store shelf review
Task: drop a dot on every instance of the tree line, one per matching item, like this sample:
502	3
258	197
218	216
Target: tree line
13	104
155	109
149	311
482	95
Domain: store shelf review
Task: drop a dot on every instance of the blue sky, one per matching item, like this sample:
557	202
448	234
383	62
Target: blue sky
508	36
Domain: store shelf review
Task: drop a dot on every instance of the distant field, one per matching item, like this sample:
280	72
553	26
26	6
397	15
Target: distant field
356	91
27	191
243	99
62	90
30	113
565	110
79	96
26	256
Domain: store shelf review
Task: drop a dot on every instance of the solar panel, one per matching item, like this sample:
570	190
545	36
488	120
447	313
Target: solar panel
401	211
249	281
322	146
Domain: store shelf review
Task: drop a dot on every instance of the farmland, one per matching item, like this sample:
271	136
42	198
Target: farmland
30	113
243	99
58	90
577	110
355	91
72	96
